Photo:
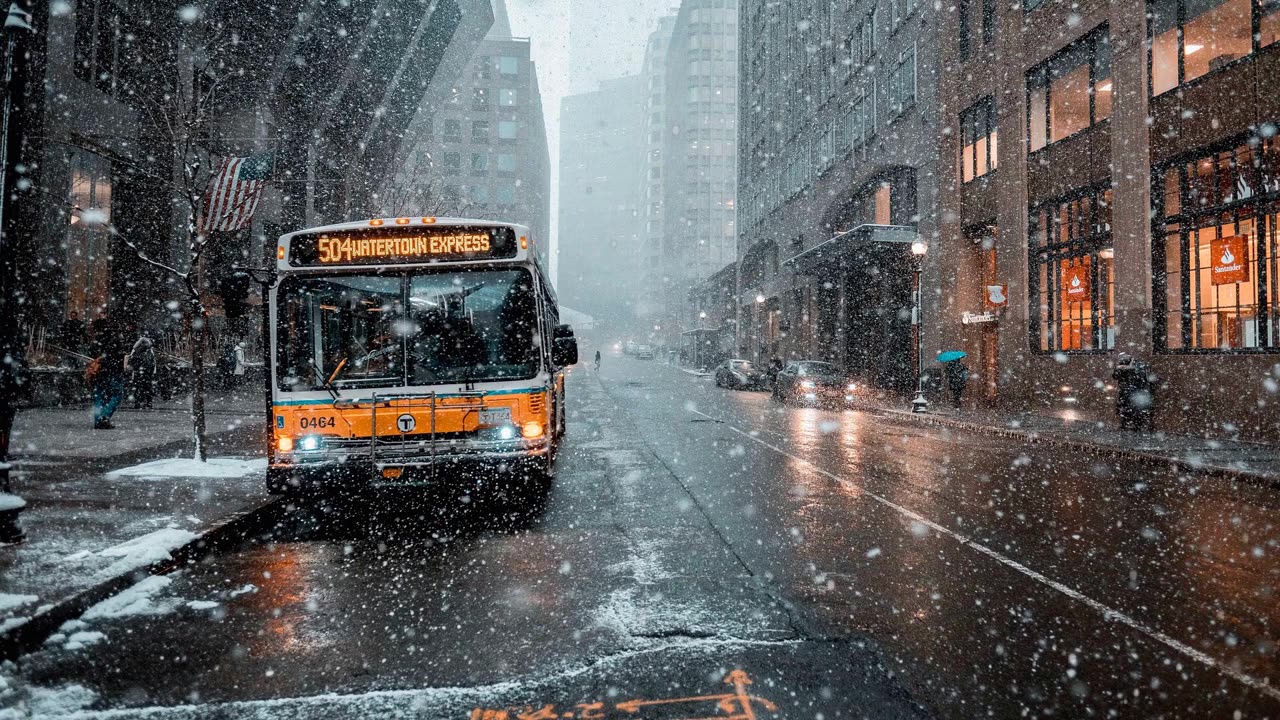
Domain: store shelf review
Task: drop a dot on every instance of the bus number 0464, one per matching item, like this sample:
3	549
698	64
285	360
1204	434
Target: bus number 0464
316	423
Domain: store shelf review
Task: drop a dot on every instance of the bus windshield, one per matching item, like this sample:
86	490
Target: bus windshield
396	330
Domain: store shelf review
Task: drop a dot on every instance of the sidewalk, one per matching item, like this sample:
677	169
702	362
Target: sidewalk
1258	462
104	504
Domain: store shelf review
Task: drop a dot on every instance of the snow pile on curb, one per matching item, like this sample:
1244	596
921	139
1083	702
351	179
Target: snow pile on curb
221	468
137	600
11	502
143	551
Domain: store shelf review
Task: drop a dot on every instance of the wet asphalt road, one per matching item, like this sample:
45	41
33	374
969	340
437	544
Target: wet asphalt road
846	566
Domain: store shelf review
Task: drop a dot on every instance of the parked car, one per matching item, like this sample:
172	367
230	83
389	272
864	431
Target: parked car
630	347
740	375
813	381
644	352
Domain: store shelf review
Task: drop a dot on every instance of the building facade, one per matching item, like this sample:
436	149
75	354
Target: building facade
837	177
482	152
1076	228
599	248
699	152
652	306
327	108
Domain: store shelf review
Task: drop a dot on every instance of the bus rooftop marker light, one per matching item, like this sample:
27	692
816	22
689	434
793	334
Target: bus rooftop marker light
524	243
429	220
376	222
279	252
402	221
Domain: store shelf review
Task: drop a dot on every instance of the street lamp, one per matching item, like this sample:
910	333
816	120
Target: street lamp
16	25
919	404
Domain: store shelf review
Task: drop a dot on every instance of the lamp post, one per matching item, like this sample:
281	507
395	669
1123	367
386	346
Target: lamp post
17	25
919	404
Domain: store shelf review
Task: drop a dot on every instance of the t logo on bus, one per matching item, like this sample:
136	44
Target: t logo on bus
406	423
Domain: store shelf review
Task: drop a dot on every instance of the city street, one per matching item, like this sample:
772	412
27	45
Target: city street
711	553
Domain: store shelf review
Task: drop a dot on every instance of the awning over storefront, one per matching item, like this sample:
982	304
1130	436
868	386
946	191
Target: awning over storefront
832	253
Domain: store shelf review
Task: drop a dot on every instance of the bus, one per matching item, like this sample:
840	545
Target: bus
412	351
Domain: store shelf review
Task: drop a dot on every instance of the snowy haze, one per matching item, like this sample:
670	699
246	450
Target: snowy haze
605	39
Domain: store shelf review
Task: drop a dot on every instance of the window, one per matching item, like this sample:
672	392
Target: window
452	163
902	82
867	38
451	131
505	194
1189	38
479	163
507	97
1072	273
509	65
1071	91
507	129
978	140
963	9
480	131
1217	250
479	99
480	194
988	21
506	162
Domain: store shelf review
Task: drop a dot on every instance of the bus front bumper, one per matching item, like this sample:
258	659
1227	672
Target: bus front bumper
353	463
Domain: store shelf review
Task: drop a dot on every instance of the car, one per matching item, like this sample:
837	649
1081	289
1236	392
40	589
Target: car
630	347
813	381
740	375
644	352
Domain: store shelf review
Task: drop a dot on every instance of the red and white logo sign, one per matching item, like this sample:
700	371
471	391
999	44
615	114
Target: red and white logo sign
1075	283
997	295
1230	260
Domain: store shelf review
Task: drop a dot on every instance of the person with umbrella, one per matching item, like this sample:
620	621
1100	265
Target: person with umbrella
956	374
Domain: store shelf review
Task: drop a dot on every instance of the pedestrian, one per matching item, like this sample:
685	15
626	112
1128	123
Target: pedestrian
597	360
957	374
141	363
226	368
240	367
1135	397
105	377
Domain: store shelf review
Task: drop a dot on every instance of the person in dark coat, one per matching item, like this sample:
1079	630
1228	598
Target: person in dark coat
1135	398
106	377
957	375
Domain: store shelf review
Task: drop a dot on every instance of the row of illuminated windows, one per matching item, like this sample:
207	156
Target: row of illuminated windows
506	65
1189	38
978	137
1072	272
480	98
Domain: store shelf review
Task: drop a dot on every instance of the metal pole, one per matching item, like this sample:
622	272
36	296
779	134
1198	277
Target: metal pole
919	404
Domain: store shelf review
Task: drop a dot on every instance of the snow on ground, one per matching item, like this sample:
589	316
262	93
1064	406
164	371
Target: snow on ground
139	599
9	601
61	701
145	550
202	604
11	502
83	638
192	468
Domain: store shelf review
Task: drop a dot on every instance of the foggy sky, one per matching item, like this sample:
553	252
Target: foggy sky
577	43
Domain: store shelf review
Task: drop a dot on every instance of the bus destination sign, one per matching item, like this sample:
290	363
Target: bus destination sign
410	245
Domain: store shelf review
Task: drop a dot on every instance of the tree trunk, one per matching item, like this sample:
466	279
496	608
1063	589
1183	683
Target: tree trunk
199	339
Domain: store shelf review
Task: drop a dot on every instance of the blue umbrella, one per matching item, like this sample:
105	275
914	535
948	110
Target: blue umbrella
950	355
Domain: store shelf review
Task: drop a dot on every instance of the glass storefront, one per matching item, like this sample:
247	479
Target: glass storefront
1217	250
89	241
1072	273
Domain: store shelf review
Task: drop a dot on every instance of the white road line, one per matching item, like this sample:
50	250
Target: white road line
1262	685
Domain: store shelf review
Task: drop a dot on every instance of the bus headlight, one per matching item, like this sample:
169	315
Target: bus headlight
310	442
808	384
506	432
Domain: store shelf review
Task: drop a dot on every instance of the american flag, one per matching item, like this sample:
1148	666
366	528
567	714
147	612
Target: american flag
234	193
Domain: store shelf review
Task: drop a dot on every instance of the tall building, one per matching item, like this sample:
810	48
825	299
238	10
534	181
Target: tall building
602	45
651	305
837	177
699	151
482	153
601	150
322	90
1146	225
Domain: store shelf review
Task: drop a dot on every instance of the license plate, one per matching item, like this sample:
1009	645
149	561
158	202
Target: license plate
495	416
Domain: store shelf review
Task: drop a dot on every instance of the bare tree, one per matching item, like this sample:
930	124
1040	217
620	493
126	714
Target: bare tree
415	190
181	112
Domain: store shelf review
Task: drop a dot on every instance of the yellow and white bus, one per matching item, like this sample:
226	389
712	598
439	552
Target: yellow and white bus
406	350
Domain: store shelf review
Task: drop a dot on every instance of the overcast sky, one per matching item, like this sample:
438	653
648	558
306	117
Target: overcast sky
577	43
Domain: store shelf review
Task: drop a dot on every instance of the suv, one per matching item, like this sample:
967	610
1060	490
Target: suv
644	352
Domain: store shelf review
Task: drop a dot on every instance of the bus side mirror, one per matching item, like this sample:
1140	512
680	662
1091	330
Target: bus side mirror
564	347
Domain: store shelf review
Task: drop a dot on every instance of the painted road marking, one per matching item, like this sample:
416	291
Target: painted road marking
1262	685
736	705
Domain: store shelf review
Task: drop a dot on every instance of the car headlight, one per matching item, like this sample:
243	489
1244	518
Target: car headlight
851	386
808	384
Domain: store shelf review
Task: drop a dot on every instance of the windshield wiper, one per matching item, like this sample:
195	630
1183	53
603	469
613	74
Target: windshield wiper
328	382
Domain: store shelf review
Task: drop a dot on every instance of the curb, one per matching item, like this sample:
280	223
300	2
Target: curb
163	450
30	635
1253	476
